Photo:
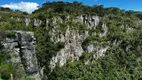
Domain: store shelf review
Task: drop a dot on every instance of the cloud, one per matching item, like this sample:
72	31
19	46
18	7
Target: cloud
22	6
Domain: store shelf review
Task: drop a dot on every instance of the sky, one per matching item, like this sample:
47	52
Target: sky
31	5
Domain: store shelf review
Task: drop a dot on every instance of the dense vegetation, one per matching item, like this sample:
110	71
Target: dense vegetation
118	64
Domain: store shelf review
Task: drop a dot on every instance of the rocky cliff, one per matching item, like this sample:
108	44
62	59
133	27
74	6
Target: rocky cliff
82	36
73	32
20	46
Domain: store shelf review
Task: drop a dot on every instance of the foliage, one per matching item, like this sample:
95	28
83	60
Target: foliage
122	62
5	69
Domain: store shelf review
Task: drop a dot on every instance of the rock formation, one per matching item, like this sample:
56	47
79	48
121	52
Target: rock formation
73	39
20	46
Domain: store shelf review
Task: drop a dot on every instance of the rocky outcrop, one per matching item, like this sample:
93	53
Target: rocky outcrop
72	48
35	22
73	40
21	47
90	21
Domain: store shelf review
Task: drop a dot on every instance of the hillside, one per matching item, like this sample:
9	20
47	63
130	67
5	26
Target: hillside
71	41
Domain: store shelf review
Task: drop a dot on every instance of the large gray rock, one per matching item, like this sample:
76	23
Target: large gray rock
21	47
26	42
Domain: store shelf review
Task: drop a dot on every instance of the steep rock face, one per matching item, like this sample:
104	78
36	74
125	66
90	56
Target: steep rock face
21	47
72	49
74	39
27	43
90	21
